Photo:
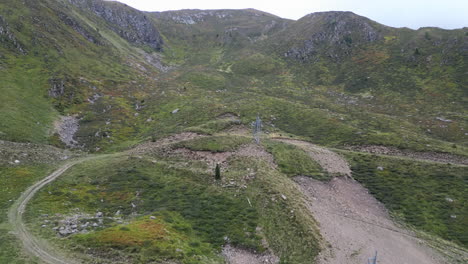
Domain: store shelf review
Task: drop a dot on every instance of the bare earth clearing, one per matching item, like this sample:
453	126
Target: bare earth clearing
352	221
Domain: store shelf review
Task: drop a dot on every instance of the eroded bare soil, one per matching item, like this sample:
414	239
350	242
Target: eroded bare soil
356	225
425	156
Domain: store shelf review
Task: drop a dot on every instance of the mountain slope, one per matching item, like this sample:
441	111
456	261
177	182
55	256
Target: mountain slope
110	79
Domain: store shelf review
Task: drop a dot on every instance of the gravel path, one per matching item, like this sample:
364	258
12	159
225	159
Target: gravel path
33	245
356	225
352	221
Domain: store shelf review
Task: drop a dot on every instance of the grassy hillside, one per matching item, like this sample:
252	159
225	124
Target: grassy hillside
198	214
428	196
334	78
213	62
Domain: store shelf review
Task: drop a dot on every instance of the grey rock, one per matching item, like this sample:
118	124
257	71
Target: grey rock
335	34
8	39
129	23
57	87
84	30
66	128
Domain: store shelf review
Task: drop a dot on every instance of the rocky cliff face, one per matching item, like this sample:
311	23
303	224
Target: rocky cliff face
130	24
88	33
333	34
7	38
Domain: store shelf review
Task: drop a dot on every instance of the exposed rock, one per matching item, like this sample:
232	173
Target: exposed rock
57	87
28	153
8	39
235	255
333	34
88	33
127	22
443	119
66	127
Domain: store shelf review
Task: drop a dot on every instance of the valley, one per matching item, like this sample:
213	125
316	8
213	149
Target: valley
114	120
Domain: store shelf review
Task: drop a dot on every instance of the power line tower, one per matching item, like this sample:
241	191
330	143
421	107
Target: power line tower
257	129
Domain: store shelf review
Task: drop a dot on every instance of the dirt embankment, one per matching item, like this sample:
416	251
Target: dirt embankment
356	225
15	153
424	156
333	163
353	223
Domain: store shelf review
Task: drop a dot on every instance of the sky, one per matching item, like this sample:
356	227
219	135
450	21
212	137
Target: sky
448	14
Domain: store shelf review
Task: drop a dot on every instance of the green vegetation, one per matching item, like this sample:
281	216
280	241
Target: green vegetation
167	236
294	161
214	126
13	181
215	143
429	196
289	227
304	78
212	214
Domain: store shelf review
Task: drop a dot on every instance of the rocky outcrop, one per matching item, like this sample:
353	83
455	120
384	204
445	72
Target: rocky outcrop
333	34
7	38
129	23
57	87
89	34
66	128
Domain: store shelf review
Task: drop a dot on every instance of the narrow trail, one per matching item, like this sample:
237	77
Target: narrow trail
39	247
352	221
33	245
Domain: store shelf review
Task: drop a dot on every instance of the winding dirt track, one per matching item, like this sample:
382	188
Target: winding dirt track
32	244
352	221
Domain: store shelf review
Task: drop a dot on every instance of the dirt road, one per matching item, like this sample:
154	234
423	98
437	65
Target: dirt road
352	221
33	245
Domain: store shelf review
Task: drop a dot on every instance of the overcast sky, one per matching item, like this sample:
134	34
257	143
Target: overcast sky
447	14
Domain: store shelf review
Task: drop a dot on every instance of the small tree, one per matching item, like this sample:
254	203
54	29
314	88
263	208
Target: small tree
217	172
